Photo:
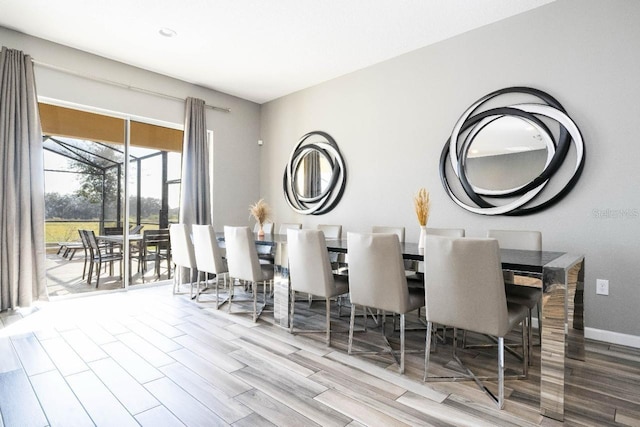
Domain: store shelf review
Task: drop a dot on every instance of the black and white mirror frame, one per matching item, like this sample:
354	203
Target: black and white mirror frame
523	199
330	194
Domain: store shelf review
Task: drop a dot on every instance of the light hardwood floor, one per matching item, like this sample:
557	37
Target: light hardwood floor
146	357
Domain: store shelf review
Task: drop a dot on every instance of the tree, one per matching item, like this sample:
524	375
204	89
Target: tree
101	161
149	207
105	158
69	206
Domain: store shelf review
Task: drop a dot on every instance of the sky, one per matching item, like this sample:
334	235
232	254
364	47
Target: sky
67	183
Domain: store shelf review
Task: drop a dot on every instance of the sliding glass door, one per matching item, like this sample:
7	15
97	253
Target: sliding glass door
91	187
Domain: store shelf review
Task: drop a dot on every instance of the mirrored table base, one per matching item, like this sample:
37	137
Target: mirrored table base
562	321
562	329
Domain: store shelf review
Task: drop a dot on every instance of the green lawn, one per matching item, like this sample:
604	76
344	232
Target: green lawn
68	231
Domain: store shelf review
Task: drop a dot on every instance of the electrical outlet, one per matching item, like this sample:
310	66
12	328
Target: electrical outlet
602	287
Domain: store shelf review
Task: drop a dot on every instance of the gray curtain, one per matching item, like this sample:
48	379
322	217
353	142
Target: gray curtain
312	174
195	199
22	251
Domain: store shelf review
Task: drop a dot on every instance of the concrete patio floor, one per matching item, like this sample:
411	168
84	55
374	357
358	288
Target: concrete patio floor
64	276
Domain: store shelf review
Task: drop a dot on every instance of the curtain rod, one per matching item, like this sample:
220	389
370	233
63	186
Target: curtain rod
122	85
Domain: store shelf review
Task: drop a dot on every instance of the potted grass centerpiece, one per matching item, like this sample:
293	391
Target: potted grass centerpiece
421	204
261	212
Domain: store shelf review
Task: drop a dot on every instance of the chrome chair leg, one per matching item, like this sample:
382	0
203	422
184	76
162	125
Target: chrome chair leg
399	361
292	306
501	372
328	318
351	324
427	351
255	301
402	343
499	400
232	284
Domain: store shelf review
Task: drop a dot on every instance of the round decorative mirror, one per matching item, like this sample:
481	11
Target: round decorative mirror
315	176
313	173
503	157
506	154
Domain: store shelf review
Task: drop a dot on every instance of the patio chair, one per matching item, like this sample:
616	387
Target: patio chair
99	255
156	247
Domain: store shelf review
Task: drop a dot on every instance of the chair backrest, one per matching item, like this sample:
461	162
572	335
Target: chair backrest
136	229
398	231
267	227
309	266
331	231
207	252
113	231
90	237
463	284
242	257
517	239
287	226
449	232
160	237
182	252
83	239
376	271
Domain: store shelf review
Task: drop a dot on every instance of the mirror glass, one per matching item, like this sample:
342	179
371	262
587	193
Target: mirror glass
313	174
507	153
501	155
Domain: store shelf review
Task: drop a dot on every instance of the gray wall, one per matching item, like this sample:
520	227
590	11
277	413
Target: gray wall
392	119
236	153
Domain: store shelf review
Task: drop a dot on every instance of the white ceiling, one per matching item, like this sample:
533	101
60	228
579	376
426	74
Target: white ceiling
255	49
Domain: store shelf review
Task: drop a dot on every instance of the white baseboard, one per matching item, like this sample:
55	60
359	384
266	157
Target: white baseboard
605	336
612	337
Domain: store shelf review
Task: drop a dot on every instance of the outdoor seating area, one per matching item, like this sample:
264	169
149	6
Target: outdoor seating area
149	262
85	216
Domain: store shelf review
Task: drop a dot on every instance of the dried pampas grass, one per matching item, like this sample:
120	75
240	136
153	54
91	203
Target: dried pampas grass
261	211
421	204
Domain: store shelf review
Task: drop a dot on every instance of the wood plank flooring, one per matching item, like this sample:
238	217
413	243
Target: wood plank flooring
146	357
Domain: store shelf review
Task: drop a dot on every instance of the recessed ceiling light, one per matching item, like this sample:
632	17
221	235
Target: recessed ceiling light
167	32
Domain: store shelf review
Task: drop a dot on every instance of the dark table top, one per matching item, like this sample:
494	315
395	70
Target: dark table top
517	260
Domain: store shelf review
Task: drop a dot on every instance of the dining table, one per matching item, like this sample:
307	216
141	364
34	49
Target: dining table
118	239
562	276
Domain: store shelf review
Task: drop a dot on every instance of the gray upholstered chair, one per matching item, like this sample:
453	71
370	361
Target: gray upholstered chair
242	259
398	231
209	258
449	232
310	271
531	296
517	239
377	280
410	267
288	226
333	232
183	255
464	288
